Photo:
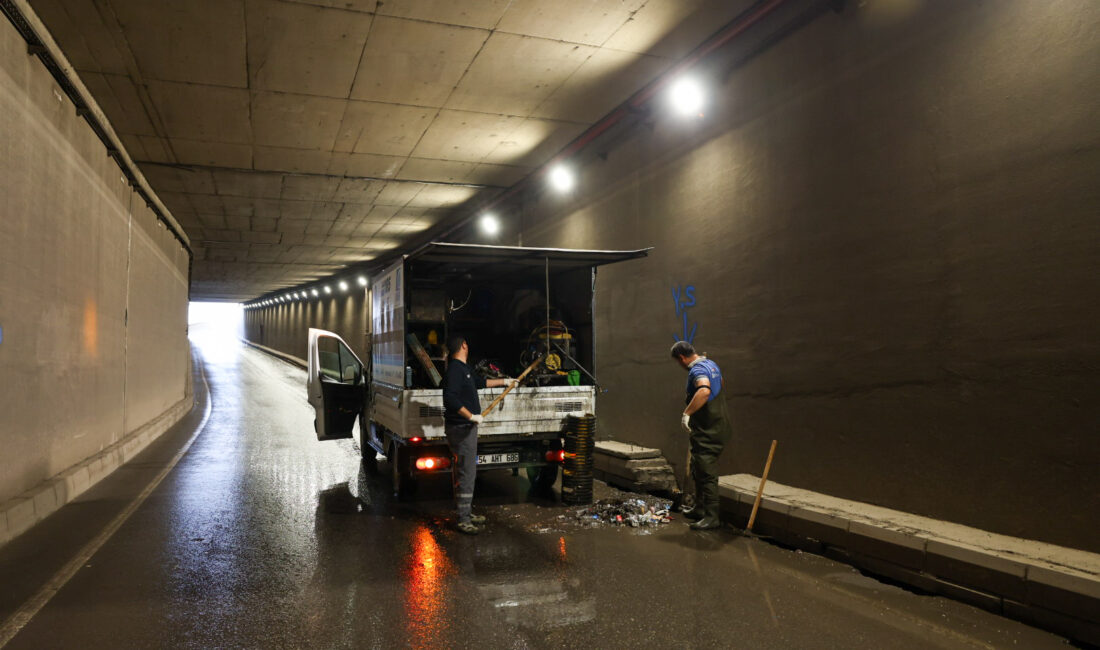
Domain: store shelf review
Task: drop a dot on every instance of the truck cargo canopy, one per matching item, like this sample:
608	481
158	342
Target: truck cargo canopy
448	258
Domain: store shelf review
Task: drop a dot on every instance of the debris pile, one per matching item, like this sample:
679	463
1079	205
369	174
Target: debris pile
625	512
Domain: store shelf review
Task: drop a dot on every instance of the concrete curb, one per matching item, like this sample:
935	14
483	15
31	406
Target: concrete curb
1044	585
289	358
18	514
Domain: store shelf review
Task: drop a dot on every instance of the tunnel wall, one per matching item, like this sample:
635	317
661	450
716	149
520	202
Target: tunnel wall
93	289
890	223
285	326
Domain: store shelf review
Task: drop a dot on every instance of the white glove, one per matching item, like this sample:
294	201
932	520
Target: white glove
476	419
509	382
685	421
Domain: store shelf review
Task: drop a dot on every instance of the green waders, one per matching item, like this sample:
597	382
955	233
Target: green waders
710	431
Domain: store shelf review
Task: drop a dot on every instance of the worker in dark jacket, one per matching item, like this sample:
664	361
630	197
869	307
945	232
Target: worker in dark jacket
706	420
461	415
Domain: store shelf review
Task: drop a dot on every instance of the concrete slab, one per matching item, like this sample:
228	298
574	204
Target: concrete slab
291	160
215	154
250	184
402	64
465	136
304	49
600	84
205	113
1064	591
484	14
573	21
533	141
204	43
625	450
672	28
295	120
974	567
386	129
429	169
514	74
365	164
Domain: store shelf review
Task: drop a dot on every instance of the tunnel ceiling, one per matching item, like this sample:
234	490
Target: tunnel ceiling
291	139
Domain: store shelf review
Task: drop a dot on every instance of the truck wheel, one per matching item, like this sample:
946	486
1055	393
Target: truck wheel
542	479
403	482
370	457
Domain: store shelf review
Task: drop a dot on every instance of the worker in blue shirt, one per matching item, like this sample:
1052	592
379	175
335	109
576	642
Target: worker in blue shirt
706	420
461	415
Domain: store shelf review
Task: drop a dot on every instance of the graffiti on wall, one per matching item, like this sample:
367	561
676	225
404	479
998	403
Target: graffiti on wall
683	298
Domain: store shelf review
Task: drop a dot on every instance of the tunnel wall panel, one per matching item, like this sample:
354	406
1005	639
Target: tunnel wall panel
889	222
285	327
67	351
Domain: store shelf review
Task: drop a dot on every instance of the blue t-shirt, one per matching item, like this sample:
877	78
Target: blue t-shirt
704	368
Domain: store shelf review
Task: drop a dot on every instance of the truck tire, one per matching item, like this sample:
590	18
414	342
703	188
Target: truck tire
542	479
370	456
403	482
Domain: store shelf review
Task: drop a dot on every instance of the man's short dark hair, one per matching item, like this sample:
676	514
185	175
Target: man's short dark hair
682	349
454	343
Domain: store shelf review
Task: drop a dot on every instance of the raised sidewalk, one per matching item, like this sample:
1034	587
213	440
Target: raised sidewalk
1048	586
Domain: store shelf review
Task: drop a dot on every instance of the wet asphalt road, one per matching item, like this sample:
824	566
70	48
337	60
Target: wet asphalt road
262	537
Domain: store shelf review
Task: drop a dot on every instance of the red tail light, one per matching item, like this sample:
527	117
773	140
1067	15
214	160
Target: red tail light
415	439
430	463
555	456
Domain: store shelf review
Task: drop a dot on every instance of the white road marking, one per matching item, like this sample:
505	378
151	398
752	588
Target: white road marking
30	609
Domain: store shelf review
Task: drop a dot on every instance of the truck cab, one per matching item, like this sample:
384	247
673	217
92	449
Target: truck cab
517	307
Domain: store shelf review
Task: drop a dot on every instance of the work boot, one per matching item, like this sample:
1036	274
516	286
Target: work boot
707	523
695	514
467	528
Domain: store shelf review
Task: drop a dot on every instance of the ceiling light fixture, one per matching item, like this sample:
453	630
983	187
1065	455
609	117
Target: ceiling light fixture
362	281
686	97
561	178
490	225
314	292
343	286
328	289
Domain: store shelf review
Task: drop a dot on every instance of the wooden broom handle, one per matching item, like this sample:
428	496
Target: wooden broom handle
511	386
760	490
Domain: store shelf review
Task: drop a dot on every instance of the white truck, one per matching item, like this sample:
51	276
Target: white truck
513	305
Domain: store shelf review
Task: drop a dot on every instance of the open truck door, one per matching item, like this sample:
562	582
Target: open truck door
335	384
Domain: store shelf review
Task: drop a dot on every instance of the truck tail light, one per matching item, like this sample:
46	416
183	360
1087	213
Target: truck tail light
415	439
555	456
432	463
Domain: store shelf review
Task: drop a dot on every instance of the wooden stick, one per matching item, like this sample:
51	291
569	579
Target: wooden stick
510	387
760	490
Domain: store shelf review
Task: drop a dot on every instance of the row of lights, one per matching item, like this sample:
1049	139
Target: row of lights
685	97
306	294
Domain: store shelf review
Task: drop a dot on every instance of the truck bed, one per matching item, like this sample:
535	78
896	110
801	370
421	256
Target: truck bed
526	410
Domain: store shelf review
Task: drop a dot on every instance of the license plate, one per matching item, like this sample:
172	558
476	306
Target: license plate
496	459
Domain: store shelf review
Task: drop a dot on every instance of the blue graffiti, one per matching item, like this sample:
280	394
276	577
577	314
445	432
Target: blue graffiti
684	299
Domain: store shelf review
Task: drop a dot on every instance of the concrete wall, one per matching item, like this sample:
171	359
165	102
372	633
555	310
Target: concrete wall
890	220
93	291
285	327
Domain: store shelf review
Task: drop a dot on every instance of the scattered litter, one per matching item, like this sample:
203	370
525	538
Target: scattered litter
624	512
